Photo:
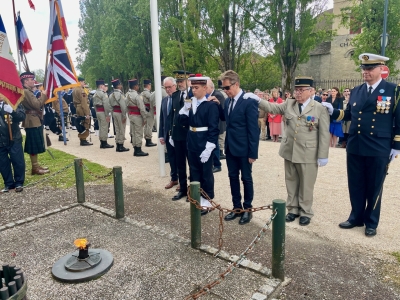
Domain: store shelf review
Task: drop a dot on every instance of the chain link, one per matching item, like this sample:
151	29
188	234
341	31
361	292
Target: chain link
48	177
94	175
205	289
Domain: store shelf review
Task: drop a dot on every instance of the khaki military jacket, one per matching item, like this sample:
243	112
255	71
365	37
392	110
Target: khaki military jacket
307	133
147	100
117	98
101	98
56	106
80	98
153	102
33	109
134	99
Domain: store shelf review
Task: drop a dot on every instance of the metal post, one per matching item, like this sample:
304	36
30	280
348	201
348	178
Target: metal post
195	216
384	28
80	183
278	239
119	193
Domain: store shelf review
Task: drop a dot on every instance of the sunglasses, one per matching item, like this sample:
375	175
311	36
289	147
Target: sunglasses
227	88
324	94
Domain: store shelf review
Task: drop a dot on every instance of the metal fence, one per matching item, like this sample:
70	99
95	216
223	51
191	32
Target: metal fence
346	83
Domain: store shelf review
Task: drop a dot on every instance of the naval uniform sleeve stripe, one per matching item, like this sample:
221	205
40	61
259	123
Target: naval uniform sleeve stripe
396	138
341	115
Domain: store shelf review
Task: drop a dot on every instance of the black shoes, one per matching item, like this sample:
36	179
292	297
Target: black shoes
178	196
121	148
246	217
204	212
291	217
304	221
61	138
105	145
370	232
348	225
85	143
216	169
232	216
221	155
138	152
149	143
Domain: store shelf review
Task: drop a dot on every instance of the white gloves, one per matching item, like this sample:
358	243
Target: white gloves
185	109
205	155
171	141
393	154
7	108
328	106
204	202
252	96
322	162
188	105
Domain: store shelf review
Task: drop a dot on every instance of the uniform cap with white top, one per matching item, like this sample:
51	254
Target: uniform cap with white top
369	59
199	79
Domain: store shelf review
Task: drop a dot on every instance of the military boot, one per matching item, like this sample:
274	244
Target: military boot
85	143
221	155
149	143
61	139
105	145
139	152
121	148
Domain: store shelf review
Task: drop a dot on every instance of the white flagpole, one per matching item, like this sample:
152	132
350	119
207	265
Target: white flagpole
16	38
157	76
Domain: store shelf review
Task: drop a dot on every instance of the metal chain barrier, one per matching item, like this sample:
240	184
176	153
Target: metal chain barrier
94	175
204	290
48	177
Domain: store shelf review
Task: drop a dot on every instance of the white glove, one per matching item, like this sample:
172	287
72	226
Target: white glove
252	96
322	162
188	105
171	141
205	155
328	106
7	108
393	154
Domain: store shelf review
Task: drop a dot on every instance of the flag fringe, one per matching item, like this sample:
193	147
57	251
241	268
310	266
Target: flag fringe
11	87
60	89
14	106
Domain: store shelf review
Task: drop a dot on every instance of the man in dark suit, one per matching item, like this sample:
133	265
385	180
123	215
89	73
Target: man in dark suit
216	95
314	96
164	131
373	142
241	143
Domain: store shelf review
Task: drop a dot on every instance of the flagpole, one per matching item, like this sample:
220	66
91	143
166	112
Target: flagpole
157	76
16	38
62	117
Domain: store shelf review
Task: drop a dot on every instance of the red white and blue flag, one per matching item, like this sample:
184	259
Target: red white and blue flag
60	70
23	40
31	5
10	86
52	19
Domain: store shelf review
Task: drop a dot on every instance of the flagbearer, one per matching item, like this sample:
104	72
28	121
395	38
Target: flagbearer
137	116
103	111
82	110
150	108
56	107
118	104
34	141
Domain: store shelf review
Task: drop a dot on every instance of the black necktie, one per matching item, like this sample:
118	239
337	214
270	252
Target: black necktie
370	90
231	108
300	107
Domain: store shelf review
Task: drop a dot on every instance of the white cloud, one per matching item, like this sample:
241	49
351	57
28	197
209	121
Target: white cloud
36	25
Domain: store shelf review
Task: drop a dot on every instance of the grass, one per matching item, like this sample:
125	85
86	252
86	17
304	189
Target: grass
396	255
66	178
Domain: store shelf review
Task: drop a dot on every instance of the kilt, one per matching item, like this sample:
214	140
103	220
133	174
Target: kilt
34	142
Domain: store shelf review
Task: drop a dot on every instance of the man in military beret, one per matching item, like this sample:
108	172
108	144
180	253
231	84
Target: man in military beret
137	116
304	148
150	105
80	99
373	141
103	111
34	141
118	104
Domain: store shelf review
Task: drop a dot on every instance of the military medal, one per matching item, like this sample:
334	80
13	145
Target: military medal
310	122
379	103
354	104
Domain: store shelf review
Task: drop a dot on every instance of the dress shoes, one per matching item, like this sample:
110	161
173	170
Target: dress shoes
61	139
304	221
171	184
216	169
291	217
222	155
178	196
39	171
178	188
370	232
204	212
348	225
246	217
232	216
85	143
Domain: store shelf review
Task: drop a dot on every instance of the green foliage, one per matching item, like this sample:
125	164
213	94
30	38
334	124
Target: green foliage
397	255
39	75
368	15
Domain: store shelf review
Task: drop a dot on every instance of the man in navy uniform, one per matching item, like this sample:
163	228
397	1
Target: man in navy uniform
202	118
373	142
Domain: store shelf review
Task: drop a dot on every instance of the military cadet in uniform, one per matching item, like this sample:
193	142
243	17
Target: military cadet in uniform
56	107
118	104
304	148
202	118
373	142
103	111
80	99
150	108
34	141
137	116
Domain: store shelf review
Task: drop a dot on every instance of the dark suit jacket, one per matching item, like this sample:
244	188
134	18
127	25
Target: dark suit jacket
165	120
317	98
371	133
221	99
242	132
179	131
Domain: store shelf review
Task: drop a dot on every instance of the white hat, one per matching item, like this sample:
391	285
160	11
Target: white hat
369	59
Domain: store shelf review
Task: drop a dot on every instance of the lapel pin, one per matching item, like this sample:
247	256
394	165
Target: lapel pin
354	104
381	91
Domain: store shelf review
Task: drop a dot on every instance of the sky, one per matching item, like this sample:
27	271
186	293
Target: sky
36	23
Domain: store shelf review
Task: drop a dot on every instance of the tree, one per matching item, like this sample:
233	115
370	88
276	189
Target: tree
39	75
368	15
289	28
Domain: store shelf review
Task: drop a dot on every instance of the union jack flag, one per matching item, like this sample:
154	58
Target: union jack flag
60	72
